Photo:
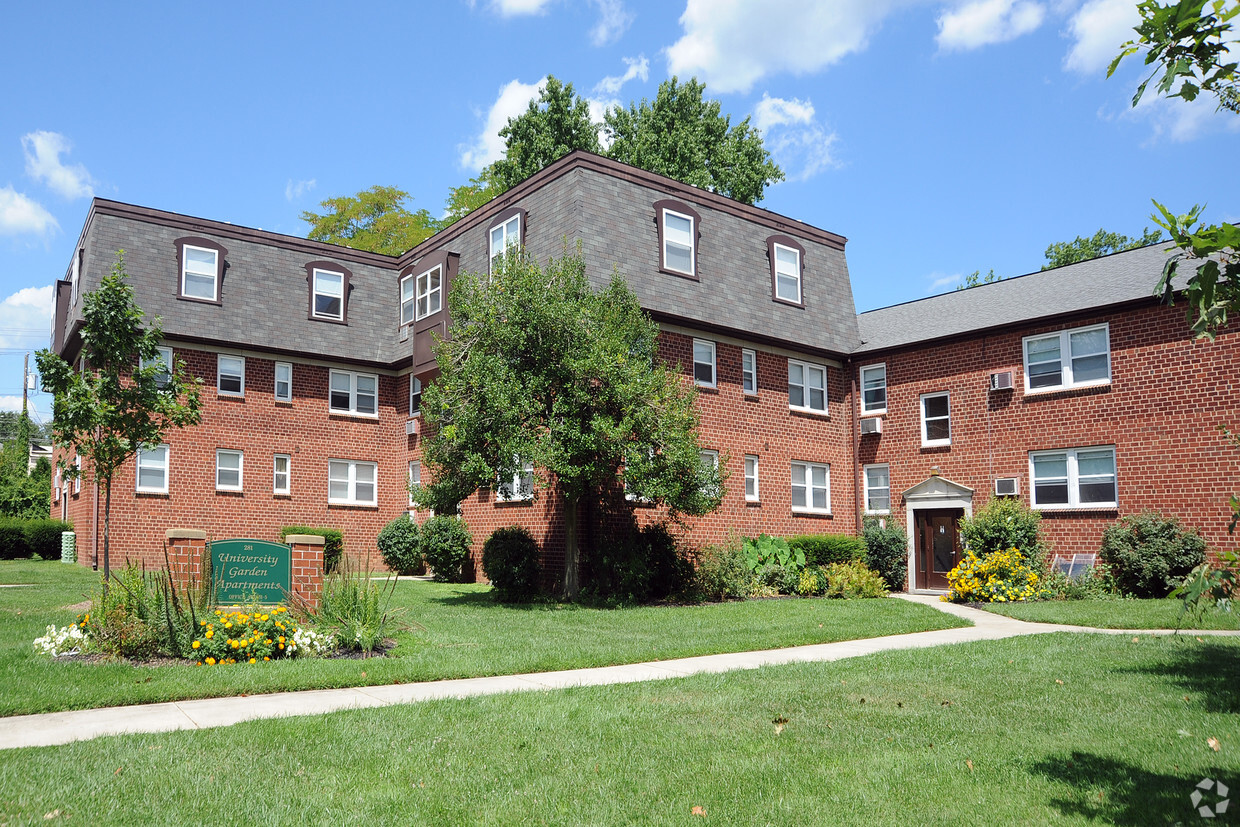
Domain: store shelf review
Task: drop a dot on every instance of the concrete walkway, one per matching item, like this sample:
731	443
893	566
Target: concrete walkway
64	727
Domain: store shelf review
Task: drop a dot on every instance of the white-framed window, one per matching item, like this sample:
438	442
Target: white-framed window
1075	358
328	294
75	276
228	467
77	478
199	267
284	382
787	273
1073	478
407	285
164	362
281	474
415	396
504	236
936	420
56	485
751	479
710	462
352	482
807	386
353	393
430	292
678	242
415	479
811	487
152	473
230	375
520	486
874	389
749	371
703	363
877	489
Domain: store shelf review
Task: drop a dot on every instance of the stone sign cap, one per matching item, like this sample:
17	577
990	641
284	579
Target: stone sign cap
306	539
185	534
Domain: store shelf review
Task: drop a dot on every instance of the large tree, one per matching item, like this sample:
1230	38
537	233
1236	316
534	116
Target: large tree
469	196
375	219
541	369
125	398
1100	243
555	123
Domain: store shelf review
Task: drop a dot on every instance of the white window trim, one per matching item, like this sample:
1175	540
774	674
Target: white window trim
753	356
411	302
795	275
77	478
866	411
419	295
713	456
865	482
240	486
1065	359
1074	481
288	474
509	239
692	271
757	474
805	387
511	490
714	364
165	359
351	499
413	479
415	389
215	276
809	487
166	466
352	409
219	372
926	442
314	291
275	384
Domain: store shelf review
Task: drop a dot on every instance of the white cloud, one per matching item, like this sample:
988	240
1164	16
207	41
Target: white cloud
638	69
799	144
517	8
43	150
983	22
613	21
513	99
1097	30
26	317
938	282
296	189
20	215
1180	121
731	44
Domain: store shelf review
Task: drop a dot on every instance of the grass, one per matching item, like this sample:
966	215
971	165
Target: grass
461	632
1116	614
1048	729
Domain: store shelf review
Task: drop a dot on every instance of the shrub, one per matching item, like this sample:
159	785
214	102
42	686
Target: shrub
445	547
13	543
1004	523
852	580
765	549
823	549
812	582
43	537
354	608
722	571
253	634
638	566
1150	554
142	614
333	546
510	559
886	551
398	543
998	577
772	579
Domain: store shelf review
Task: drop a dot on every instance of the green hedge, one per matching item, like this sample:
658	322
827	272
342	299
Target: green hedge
333	546
825	549
21	539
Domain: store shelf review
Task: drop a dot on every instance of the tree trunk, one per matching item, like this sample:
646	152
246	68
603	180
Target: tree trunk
572	582
107	524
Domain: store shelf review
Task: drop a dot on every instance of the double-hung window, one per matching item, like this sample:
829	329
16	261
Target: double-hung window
199	269
415	479
936	420
328	294
503	236
228	467
787	264
352	482
877	489
1073	478
284	382
406	299
77	477
679	238
430	292
703	363
164	362
807	387
282	474
353	393
153	470
751	478
874	389
520	486
415	396
1068	359
710	466
749	371
811	487
230	375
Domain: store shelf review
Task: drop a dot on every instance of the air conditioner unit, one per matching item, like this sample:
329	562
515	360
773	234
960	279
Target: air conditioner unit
872	425
1007	486
411	427
1001	381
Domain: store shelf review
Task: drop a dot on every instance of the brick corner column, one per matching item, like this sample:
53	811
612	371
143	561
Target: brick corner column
185	550
306	551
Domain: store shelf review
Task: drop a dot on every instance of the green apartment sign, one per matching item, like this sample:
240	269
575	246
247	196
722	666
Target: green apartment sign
245	570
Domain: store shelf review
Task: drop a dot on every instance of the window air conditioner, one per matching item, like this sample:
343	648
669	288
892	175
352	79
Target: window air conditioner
1007	486
1001	381
411	427
872	425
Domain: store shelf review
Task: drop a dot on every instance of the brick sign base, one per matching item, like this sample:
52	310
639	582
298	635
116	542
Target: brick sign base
187	547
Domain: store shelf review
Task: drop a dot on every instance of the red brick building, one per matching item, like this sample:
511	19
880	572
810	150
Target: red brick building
312	357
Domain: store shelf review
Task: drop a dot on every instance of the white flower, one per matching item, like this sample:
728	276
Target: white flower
67	641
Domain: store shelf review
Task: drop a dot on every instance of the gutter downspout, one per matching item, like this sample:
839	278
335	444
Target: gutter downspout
853	419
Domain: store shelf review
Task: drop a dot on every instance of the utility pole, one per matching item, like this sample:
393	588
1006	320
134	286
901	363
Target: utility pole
23	429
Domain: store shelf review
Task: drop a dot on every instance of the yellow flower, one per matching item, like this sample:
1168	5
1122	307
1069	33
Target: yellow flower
251	660
266	658
210	634
228	625
210	661
196	644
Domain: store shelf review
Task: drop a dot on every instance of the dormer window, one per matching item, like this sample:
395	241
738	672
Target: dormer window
406	299
329	291
200	263
430	292
787	258
679	228
507	230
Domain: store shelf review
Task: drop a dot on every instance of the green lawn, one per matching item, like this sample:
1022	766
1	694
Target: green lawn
460	632
1116	614
1048	729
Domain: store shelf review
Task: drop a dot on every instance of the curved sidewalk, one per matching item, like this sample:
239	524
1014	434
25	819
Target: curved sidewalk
64	727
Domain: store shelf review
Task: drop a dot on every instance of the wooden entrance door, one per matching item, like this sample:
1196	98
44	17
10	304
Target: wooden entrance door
938	546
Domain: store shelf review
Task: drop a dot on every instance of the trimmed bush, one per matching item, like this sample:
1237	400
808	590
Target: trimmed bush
333	546
445	547
1149	555
13	543
998	577
43	537
722	571
1004	523
824	549
398	543
886	551
853	580
812	582
638	566
510	559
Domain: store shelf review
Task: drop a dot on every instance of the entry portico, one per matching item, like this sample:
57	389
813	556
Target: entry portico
933	510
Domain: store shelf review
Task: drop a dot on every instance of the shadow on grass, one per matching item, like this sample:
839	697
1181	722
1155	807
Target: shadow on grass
1116	792
485	600
1209	672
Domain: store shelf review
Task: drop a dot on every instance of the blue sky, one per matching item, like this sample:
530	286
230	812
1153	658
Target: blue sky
939	137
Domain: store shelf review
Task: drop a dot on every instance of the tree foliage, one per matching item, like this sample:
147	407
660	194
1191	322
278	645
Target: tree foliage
468	197
1099	244
975	278
542	369
125	399
374	220
554	124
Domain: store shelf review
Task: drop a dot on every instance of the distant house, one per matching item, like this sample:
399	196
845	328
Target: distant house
38	452
1072	389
